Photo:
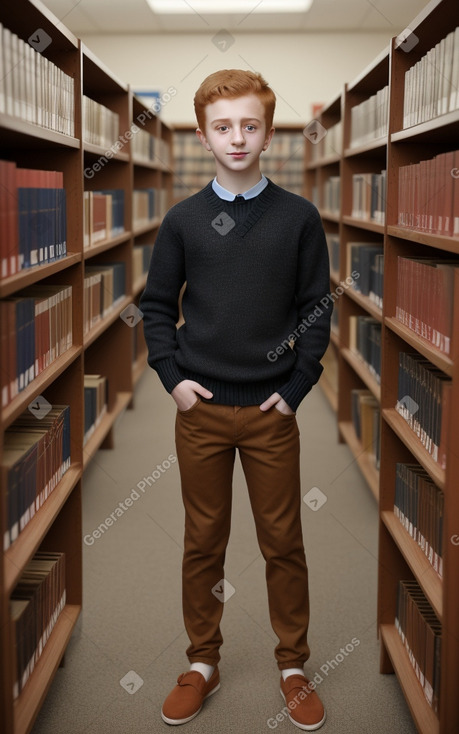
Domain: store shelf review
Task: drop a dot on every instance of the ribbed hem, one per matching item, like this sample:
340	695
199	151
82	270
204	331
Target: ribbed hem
230	393
296	389
169	373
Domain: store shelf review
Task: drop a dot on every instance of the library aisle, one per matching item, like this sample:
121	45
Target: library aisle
128	646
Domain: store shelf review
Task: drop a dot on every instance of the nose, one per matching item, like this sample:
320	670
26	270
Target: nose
237	138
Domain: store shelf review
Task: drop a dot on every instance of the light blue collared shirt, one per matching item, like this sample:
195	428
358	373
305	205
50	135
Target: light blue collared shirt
249	194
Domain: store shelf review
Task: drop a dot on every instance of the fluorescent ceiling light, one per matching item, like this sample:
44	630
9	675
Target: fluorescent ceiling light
229	6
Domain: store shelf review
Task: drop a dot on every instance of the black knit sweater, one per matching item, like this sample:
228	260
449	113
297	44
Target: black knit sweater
255	272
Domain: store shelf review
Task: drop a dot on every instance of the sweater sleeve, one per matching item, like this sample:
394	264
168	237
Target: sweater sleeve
159	303
314	308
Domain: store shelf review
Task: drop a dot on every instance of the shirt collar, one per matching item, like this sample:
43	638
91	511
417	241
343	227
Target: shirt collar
249	194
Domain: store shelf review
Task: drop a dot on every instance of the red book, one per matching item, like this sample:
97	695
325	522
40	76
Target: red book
455	175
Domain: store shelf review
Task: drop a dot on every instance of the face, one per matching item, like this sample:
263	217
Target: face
236	133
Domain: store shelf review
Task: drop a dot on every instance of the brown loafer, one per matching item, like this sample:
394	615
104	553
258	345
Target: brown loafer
185	701
305	707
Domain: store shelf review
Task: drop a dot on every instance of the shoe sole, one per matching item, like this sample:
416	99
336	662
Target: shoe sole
304	727
177	722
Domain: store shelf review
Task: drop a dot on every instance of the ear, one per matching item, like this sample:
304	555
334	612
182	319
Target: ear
203	139
268	139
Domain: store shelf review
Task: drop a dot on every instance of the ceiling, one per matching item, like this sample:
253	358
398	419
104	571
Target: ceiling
134	16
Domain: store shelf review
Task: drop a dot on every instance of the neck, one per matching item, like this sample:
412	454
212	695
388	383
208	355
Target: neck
237	182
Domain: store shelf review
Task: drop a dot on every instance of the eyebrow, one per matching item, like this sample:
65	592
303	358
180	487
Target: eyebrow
244	119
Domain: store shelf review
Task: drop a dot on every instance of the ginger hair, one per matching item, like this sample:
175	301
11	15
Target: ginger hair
230	84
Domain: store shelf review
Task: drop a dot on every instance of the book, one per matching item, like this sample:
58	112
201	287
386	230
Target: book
424	402
103	215
104	289
425	296
420	633
35	606
419	505
101	126
331	202
36	328
36	455
141	256
95	403
33	217
367	259
33	88
365	415
370	118
365	340
369	196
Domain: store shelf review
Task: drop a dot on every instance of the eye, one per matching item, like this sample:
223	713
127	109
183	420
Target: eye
222	128
251	128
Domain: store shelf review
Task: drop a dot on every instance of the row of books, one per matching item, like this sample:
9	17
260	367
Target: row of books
36	328
365	413
369	196
428	195
36	455
419	505
95	403
104	288
424	402
32	88
103	215
101	126
365	339
432	84
370	118
35	605
333	251
420	633
33	217
147	204
329	145
367	259
331	195
147	147
141	256
425	297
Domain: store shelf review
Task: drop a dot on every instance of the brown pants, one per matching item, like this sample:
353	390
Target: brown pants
207	436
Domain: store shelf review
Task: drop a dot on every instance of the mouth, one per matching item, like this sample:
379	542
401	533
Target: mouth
238	156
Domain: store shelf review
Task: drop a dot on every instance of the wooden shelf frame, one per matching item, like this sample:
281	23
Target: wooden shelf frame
107	350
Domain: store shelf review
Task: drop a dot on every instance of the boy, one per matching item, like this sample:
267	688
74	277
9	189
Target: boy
255	263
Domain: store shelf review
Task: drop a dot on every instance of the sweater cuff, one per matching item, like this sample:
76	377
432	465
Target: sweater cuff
297	388
168	372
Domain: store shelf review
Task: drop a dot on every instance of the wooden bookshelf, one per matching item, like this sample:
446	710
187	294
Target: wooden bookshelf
107	349
400	558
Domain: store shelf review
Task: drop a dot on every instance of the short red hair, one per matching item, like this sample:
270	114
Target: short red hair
233	83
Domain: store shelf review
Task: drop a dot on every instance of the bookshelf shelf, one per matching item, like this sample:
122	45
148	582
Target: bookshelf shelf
362	371
109	244
331	216
370	147
107	321
442	361
334	336
29	276
107	350
146	228
424	130
38	385
366	303
99	151
106	424
321	162
330	391
37	686
366	465
425	719
26	544
448	244
428	578
363	224
155	165
413	443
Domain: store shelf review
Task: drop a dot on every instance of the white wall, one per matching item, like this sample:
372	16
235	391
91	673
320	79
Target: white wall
302	68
